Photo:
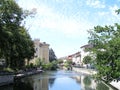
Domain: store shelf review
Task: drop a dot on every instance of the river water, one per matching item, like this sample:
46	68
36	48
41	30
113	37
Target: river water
58	80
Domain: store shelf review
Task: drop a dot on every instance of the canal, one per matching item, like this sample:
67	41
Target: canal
58	80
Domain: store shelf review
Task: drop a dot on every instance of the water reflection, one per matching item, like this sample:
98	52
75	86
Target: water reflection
22	86
65	80
10	87
60	80
87	81
51	82
101	86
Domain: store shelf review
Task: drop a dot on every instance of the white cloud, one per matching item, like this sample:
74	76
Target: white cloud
60	0
47	18
103	13
95	3
69	27
28	4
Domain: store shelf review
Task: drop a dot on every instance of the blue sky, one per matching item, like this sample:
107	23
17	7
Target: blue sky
64	23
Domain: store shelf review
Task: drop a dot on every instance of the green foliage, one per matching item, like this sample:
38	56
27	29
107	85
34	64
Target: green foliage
101	86
87	59
15	42
8	70
106	48
87	81
68	63
118	11
39	62
50	66
52	55
47	66
60	61
54	65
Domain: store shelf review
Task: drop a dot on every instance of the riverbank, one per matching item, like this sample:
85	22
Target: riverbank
114	84
25	74
9	79
6	80
84	71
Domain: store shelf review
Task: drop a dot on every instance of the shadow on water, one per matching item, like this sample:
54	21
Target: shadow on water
22	86
8	87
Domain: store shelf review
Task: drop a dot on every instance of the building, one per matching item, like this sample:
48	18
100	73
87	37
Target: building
41	51
75	58
84	52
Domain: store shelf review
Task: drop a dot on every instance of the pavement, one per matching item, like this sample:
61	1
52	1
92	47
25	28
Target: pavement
116	84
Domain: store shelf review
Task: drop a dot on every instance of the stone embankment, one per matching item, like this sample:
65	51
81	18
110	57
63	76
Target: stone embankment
6	79
9	79
116	84
25	74
84	71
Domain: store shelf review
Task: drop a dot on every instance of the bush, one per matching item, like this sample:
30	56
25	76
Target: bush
87	59
9	70
50	66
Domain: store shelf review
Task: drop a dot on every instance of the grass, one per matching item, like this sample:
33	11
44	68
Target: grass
6	71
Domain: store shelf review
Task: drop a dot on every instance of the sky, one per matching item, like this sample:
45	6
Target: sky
64	23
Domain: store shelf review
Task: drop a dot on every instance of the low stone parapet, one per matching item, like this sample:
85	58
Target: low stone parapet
84	71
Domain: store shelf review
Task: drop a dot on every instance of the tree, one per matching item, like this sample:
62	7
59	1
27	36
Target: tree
106	48
15	42
118	11
87	59
52	55
39	62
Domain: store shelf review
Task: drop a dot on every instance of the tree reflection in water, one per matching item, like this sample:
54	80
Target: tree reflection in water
51	81
87	81
101	86
9	87
88	88
22	86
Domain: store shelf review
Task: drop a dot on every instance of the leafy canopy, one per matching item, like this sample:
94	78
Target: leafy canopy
106	48
15	42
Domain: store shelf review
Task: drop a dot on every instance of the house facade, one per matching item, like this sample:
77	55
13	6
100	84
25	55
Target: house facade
83	50
75	58
41	51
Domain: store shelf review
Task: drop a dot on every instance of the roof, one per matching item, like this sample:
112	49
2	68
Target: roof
87	46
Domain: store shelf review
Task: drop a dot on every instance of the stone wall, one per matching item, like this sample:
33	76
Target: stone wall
84	71
6	79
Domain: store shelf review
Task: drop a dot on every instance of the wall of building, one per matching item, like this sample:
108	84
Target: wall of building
44	52
41	51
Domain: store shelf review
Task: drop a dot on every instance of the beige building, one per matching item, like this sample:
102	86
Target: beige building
41	51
